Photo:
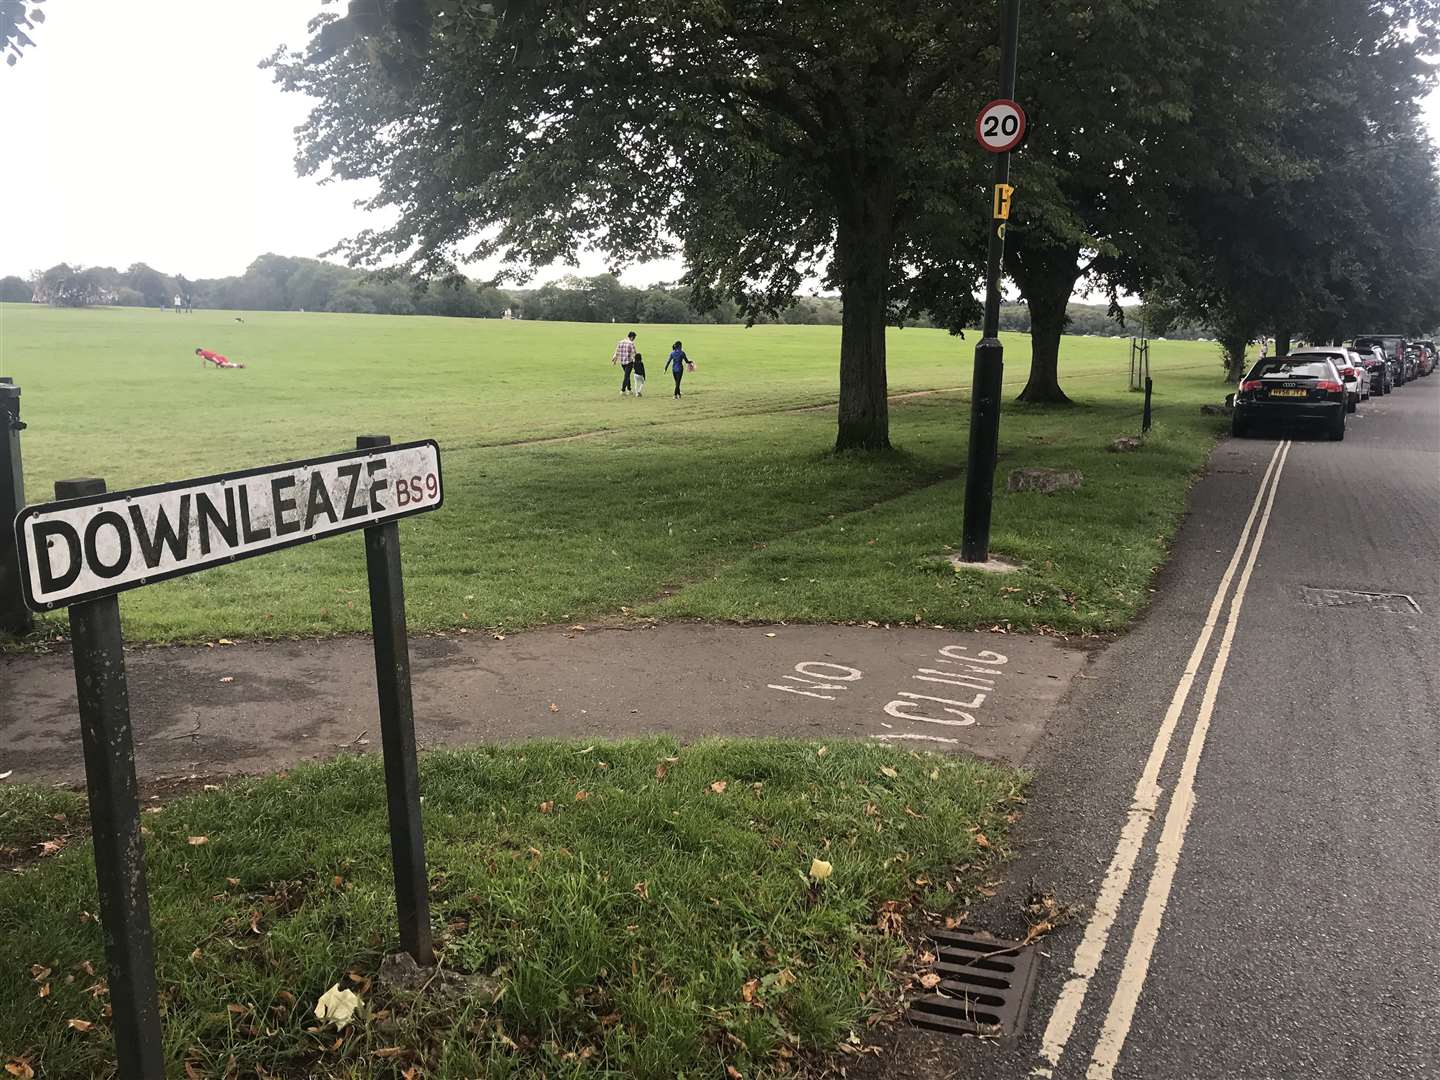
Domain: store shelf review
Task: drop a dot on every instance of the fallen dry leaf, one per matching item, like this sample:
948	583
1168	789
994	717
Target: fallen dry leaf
581	796
21	1068
547	806
51	847
719	786
39	972
45	990
983	841
196	841
747	992
661	771
338	1006
554	707
228	678
80	1025
195	956
886	770
929	980
642	888
731	1072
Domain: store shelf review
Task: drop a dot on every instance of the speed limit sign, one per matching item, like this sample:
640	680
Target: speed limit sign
1000	126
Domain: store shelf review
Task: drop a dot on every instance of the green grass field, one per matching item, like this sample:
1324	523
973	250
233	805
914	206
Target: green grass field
643	910
724	505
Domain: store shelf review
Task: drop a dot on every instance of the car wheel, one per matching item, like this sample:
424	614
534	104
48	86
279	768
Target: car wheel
1337	427
1351	405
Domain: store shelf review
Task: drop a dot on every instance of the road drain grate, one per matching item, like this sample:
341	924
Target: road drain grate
1394	603
985	986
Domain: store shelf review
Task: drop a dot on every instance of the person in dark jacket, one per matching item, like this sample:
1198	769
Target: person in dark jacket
677	363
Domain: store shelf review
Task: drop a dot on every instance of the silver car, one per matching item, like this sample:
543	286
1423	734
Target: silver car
1347	362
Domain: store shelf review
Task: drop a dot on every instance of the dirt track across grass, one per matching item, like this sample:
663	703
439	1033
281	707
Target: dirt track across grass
252	708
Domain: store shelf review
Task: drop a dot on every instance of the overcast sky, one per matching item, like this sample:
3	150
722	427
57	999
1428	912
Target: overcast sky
146	133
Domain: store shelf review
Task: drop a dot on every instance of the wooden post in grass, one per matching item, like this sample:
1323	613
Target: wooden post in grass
115	824
15	617
397	731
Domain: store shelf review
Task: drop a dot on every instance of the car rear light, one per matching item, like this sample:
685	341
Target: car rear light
1347	372
1252	384
1332	387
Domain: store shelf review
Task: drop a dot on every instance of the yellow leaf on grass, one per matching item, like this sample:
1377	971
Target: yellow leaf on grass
820	869
886	770
196	841
338	1006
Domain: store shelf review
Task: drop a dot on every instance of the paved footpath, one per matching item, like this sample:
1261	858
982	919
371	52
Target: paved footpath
250	708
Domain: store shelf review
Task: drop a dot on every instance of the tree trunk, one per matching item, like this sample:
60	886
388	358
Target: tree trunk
864	239
1046	278
1282	342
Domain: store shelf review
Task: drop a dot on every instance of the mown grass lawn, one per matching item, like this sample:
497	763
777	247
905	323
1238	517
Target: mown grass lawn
725	505
643	910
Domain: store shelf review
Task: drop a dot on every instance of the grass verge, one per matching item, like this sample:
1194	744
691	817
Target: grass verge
643	909
724	505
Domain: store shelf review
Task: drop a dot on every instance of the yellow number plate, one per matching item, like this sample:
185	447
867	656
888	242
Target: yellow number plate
1289	393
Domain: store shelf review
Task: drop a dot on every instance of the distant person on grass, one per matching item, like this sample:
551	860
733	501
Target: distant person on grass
625	357
677	364
639	372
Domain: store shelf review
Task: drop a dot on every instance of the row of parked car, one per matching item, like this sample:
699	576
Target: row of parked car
1321	384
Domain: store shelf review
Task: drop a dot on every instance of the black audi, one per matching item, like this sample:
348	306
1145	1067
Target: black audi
1300	389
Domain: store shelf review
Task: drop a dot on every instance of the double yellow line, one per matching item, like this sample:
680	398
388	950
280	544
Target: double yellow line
1144	807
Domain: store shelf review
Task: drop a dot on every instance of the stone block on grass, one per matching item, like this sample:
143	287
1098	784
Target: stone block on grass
1045	481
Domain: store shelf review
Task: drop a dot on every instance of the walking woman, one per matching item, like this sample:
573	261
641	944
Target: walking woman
677	364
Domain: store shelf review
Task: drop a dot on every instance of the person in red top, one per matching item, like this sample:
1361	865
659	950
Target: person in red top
216	359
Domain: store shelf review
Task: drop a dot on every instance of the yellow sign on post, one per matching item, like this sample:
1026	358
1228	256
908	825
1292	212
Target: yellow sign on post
1003	194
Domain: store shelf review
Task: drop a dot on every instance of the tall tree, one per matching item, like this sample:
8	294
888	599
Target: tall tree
1321	227
773	141
1111	88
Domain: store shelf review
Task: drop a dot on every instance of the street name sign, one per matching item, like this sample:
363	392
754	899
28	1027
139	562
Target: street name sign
79	549
1000	127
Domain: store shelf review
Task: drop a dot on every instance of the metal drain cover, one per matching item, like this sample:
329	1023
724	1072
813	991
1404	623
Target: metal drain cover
985	986
1394	603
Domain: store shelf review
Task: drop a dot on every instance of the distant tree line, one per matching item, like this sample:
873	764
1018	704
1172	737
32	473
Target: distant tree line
282	283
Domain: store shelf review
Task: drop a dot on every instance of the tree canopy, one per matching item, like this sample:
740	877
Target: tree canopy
773	143
17	16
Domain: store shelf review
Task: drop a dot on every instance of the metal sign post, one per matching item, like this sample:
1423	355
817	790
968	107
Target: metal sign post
397	731
90	545
104	700
997	135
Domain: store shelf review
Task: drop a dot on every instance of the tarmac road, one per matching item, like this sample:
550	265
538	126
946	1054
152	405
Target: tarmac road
1261	904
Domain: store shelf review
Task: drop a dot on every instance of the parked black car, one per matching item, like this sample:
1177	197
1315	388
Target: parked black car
1394	346
1292	389
1380	370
